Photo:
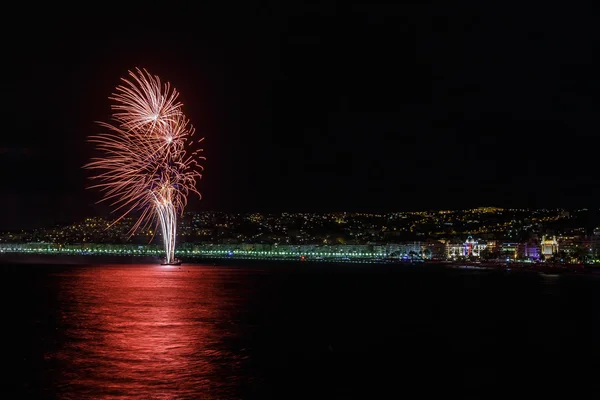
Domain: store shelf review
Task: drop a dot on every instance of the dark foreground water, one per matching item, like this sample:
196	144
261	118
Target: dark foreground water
295	332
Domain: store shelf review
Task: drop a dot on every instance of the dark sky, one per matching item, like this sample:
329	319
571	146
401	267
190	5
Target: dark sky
315	107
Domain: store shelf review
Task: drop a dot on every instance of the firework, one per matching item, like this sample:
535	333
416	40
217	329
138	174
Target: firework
146	166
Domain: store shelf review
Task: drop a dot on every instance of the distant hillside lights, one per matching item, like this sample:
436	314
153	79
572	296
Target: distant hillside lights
483	234
487	209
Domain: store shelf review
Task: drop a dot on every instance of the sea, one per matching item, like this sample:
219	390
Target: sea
275	330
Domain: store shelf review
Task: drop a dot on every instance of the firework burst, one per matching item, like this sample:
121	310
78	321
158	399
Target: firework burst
146	166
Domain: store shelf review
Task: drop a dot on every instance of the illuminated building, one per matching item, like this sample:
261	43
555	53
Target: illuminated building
403	250
473	248
433	249
568	244
529	250
454	249
549	246
509	249
492	245
470	247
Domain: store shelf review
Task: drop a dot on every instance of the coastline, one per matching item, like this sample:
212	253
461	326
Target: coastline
510	267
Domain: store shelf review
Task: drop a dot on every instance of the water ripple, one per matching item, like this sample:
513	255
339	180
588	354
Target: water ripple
146	333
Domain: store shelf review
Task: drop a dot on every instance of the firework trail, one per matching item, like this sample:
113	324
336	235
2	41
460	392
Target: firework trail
146	166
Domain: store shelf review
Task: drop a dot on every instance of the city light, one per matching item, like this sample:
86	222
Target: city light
508	236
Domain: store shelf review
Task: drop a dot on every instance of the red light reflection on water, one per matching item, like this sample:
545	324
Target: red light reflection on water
146	332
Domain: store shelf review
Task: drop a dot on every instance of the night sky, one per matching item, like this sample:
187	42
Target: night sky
306	107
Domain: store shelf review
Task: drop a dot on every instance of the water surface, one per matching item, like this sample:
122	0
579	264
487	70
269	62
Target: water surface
294	332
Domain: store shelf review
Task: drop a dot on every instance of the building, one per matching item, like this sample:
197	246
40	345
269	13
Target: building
568	244
469	247
454	249
493	245
549	246
403	250
433	249
529	250
592	244
509	250
473	247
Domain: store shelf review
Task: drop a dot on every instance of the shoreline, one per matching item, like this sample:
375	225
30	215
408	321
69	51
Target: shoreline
62	259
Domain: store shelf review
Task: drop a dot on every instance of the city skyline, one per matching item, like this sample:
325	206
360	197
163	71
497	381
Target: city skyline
491	235
315	108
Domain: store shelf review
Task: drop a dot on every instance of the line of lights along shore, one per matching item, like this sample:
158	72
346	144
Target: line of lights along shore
428	250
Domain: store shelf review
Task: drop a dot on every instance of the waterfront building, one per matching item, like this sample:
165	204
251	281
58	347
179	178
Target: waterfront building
469	247
568	244
529	250
403	250
454	249
549	246
433	249
493	245
509	250
473	247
